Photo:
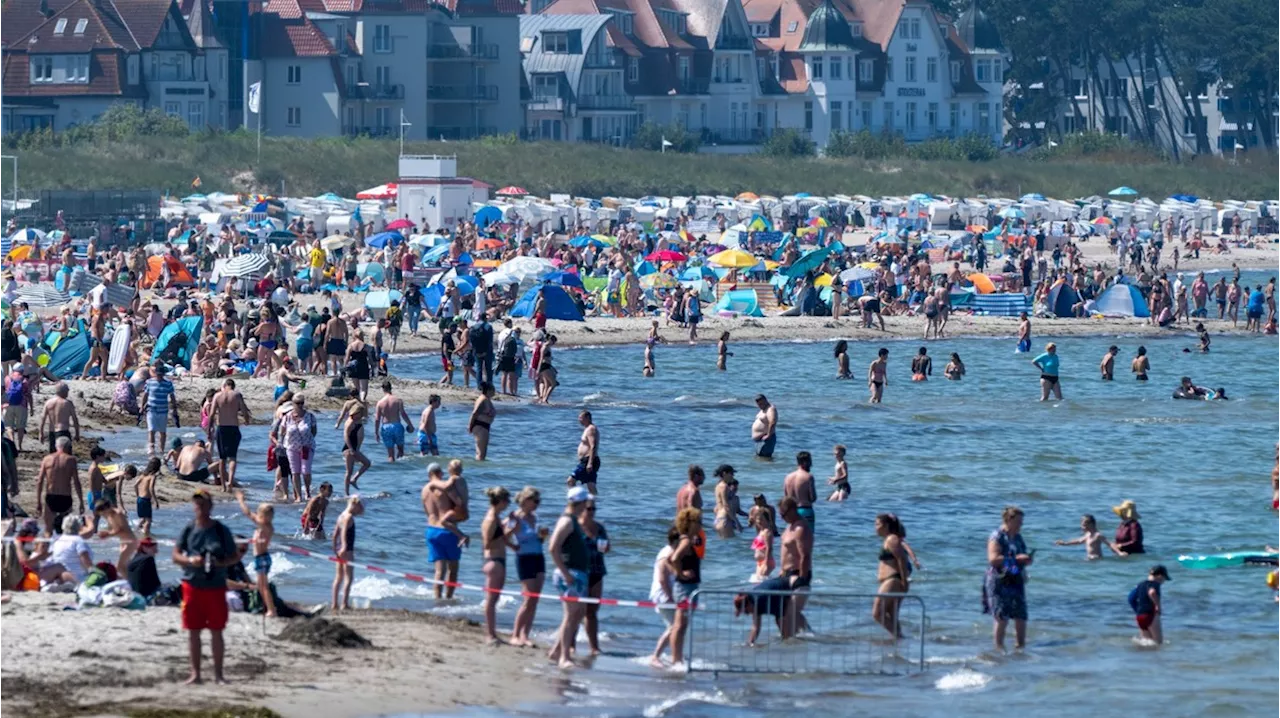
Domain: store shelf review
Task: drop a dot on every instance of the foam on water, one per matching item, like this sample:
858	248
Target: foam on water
662	708
962	680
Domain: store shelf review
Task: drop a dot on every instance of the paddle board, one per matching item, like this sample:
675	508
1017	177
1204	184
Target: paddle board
119	347
1220	560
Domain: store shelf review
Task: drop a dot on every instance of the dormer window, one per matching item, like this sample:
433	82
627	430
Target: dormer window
627	24
60	27
857	29
681	25
555	42
791	27
759	29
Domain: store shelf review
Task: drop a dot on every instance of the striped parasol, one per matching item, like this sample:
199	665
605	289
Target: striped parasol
41	296
246	265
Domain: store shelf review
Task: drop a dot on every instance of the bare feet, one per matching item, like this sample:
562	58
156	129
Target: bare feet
194	680
656	662
221	681
566	664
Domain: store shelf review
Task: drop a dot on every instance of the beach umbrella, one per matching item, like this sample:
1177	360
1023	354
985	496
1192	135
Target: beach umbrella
1036	196
281	237
693	274
527	268
564	279
857	274
760	223
808	261
383	191
336	241
246	265
57	235
382	239
464	258
657	280
27	235
734	258
666	255
500	279
401	223
465	283
584	240
435	253
1188	198
487	215
490	244
748	197
976	228
1012	213
19	253
802	195
380	300
610	241
41	296
1144	234
1123	192
818	222
1103	222
982	283
331	197
823	281
512	191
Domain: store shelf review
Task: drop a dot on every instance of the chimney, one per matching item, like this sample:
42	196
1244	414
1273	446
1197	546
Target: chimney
44	8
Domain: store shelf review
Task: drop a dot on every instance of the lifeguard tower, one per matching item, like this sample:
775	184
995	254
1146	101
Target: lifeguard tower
432	195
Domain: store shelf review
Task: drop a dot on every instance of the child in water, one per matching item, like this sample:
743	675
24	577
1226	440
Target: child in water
313	513
1092	539
840	477
262	536
1144	599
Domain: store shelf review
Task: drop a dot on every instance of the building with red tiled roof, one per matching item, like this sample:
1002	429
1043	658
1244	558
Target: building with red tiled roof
66	61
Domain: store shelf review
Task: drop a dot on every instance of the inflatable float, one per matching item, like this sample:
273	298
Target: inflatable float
1236	558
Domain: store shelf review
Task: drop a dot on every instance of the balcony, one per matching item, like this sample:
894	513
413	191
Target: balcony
547	104
462	93
605	102
369	131
735	135
459	133
734	43
371	93
691	86
728	79
597	62
477	51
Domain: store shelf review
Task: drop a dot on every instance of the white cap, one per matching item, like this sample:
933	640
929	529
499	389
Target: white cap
578	494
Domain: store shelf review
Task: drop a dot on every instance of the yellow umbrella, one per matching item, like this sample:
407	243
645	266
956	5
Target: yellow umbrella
734	258
19	253
747	197
823	281
869	265
657	280
771	265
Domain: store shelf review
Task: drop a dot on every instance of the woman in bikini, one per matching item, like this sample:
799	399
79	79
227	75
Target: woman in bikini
842	360
354	412
495	557
728	506
653	339
892	571
955	368
722	352
269	334
921	365
482	414
547	373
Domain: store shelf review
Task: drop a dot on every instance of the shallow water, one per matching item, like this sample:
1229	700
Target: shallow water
944	456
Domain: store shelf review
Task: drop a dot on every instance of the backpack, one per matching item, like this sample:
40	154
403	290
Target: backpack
508	349
15	393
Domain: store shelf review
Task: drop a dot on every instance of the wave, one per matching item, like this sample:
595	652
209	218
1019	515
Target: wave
962	680
662	708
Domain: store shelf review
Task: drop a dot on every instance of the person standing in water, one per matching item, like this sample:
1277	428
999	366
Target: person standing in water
921	366
654	339
1141	365
798	486
1004	588
387	416
427	443
764	430
877	375
1092	539
722	352
353	413
1024	334
841	353
344	549
954	369
728	507
588	468
1047	363
482	415
1144	599
1108	364
839	476
690	493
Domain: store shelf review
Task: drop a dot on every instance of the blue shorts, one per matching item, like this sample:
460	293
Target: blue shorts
144	507
280	389
427	444
1024	346
764	447
442	545
806	513
577	589
392	435
91	498
303	348
262	564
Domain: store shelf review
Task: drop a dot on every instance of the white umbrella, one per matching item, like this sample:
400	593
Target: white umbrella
500	279
336	241
857	274
40	296
246	265
27	235
527	268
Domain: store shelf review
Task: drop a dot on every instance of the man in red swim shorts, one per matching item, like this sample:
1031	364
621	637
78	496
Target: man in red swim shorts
204	551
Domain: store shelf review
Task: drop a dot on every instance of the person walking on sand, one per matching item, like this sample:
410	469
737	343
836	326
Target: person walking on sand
764	430
1047	363
878	375
262	534
386	423
1024	334
1108	364
1144	599
344	549
157	394
483	413
227	408
588	468
204	550
799	487
427	443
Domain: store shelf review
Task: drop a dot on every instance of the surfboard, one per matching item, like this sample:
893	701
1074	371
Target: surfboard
1220	560
119	347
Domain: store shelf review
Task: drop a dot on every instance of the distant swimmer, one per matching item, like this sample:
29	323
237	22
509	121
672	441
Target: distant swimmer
955	368
877	375
588	468
764	430
921	365
1092	539
1024	334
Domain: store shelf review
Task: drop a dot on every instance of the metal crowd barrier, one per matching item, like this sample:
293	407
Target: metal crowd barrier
836	634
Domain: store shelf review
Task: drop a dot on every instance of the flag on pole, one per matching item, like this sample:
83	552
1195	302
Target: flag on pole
255	97
666	142
195	182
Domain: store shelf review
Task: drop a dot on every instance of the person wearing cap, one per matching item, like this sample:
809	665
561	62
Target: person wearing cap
764	430
1047	363
1144	599
204	550
568	549
1129	532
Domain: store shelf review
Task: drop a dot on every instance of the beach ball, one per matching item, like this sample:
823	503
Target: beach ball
1273	581
43	360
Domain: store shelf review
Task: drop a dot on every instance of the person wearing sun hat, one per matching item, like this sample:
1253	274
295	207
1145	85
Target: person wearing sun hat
1129	533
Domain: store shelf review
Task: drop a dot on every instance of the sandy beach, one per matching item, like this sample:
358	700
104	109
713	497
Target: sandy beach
107	661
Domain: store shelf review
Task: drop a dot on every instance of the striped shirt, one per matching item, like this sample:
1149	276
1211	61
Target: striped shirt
158	393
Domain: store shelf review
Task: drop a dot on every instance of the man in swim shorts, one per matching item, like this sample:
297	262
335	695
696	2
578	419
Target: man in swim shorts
799	487
335	345
445	503
227	408
386	421
764	428
58	475
427	428
588	455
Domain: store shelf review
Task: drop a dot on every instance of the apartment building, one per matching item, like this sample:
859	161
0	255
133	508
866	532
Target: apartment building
66	61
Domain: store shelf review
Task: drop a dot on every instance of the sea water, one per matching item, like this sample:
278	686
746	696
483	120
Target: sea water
946	457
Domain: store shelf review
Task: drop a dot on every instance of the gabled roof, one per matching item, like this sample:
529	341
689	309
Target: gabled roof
650	30
567	64
284	37
106	79
200	22
129	25
968	84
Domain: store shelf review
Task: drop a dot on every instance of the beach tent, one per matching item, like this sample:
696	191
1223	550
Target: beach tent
380	241
70	353
982	283
178	274
559	304
487	215
1062	298
1121	300
378	302
177	343
740	301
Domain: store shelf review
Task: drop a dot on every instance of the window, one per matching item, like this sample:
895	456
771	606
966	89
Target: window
173	109
382	74
931	116
1190	125
911	117
955	72
1117	125
888	116
866	115
837	64
295	75
865	70
545	86
382	38
60	27
984	117
760	116
681	28
382	117
931	69
791	27
1069	125
78	69
888	69
195	115
684	68
555	42
909	70
1077	88
857	29
983	69
759	29
815	68
914	33
294	117
808	116
41	69
132	69
997	70
955	117
81	24
837	114
627	23
633	69
902	29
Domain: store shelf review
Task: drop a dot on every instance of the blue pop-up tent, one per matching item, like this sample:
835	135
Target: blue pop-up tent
1121	300
177	343
743	302
70	353
559	305
1062	298
487	215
